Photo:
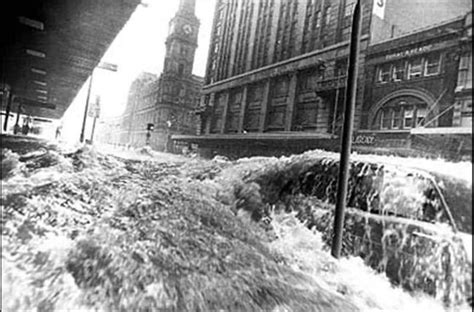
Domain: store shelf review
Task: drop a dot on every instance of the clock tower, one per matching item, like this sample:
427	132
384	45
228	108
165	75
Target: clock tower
182	39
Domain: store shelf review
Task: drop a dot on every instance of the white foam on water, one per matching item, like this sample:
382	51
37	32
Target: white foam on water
369	290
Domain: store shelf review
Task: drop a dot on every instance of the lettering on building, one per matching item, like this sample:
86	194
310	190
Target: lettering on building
364	139
409	52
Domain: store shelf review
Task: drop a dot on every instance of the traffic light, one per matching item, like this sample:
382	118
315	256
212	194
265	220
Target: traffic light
150	127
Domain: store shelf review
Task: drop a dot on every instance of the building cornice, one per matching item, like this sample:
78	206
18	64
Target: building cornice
299	62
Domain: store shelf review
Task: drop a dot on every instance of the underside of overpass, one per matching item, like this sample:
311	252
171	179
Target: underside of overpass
49	48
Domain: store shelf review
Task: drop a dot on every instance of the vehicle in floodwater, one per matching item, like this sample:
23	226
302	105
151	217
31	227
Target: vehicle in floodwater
411	224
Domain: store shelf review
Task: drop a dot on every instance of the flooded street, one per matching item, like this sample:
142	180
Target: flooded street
236	155
148	230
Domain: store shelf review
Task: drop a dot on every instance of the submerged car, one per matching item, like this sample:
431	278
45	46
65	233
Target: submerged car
414	225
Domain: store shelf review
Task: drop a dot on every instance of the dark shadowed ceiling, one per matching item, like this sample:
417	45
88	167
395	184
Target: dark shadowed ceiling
50	47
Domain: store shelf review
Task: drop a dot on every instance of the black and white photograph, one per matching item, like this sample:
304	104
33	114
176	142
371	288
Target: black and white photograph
236	155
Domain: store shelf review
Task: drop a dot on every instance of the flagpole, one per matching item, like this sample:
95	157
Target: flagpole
346	140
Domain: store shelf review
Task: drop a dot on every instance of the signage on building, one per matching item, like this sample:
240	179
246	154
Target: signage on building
409	52
362	139
379	8
94	109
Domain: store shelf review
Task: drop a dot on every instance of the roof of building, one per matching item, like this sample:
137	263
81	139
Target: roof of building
422	34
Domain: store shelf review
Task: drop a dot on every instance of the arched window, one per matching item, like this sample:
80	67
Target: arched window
401	114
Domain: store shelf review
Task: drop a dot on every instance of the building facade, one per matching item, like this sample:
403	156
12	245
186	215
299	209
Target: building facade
277	66
276	72
462	115
419	90
159	107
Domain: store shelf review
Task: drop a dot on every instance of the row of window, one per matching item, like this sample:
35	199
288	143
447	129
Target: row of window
402	116
316	17
425	66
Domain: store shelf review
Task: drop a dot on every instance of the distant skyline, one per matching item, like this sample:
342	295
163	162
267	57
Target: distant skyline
139	47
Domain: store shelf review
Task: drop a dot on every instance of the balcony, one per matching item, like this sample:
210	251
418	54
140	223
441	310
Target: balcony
330	83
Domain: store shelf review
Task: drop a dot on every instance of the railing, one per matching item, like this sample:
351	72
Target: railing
331	83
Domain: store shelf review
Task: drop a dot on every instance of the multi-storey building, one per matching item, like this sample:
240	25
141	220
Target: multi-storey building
276	72
277	67
462	115
418	91
167	102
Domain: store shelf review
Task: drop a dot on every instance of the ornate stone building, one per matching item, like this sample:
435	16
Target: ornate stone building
167	102
418	91
276	72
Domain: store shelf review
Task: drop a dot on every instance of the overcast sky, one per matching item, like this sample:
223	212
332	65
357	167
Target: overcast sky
140	46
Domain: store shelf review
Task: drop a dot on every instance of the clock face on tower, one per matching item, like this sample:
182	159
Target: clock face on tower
187	29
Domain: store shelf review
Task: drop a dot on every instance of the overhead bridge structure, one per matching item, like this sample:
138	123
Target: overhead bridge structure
49	48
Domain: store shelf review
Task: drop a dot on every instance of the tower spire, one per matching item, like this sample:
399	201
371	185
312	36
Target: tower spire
187	6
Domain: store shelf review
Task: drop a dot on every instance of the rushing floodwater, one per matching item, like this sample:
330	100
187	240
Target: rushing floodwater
48	211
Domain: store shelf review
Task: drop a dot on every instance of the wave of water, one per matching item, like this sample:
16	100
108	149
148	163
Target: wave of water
34	272
370	291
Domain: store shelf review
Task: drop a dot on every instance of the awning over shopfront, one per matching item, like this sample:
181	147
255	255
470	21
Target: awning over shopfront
50	47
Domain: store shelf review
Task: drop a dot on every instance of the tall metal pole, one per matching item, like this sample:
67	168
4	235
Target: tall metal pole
346	140
93	129
81	139
8	109
336	104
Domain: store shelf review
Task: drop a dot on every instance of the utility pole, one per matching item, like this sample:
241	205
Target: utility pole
95	112
86	109
346	141
101	65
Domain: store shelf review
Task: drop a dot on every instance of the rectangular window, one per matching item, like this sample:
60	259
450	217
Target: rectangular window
398	71
386	119
415	68
465	71
397	118
341	68
281	87
384	73
328	15
317	22
408	117
432	64
349	8
420	117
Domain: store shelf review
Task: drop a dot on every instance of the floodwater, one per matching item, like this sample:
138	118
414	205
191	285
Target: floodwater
148	230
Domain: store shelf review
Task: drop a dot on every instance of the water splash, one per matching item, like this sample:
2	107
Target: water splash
369	290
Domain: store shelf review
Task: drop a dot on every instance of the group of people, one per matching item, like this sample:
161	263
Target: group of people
25	128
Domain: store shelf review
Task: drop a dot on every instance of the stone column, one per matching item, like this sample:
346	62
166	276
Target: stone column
264	108
243	107
252	33
290	107
233	50
300	27
274	30
225	98
212	98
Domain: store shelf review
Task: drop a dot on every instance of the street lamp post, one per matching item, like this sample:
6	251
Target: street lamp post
95	112
102	65
86	109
